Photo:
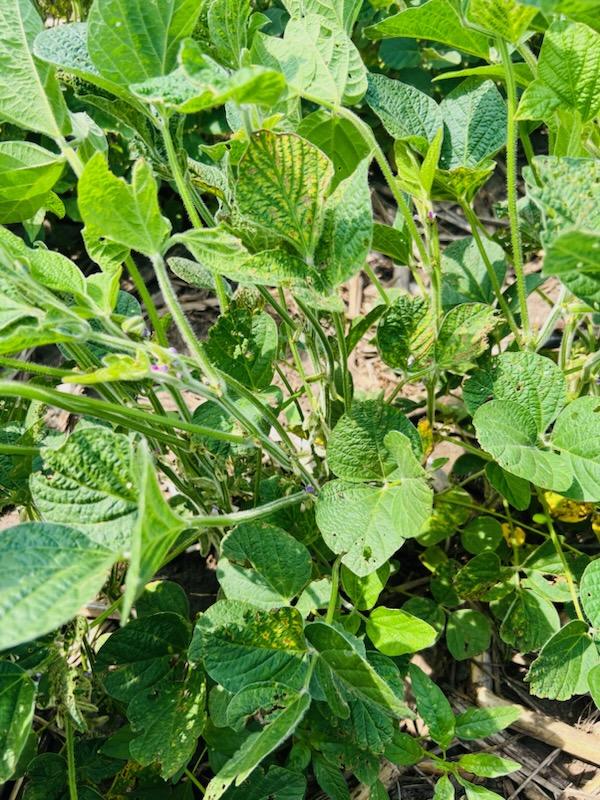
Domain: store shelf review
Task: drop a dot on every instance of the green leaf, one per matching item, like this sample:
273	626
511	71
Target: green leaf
338	138
49	572
257	746
529	622
407	114
481	534
476	792
405	334
395	632
347	228
139	656
561	669
444	790
280	566
576	434
352	670
367	523
516	490
468	633
438	20
163	595
464	275
243	343
127	214
129	43
433	707
277	784
508	432
506	18
487	765
392	242
364	591
477	576
574	258
30	95
528	379
475	124
356	450
594	684
462	337
281	185
87	482
589	591
156	530
17	704
240	644
27	174
343	12
228	26
479	723
403	750
568	74
168	720
317	58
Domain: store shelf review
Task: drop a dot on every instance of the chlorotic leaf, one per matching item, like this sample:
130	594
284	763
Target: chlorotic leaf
529	622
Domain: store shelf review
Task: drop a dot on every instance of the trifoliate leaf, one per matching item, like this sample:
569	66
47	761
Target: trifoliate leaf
395	632
280	566
49	572
88	482
17	704
561	669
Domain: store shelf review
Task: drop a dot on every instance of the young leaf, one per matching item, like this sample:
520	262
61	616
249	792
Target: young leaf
479	723
352	670
129	43
127	214
49	572
88	482
364	591
168	721
476	792
343	12
574	258
368	523
280	566
438	20
576	434
243	343
17	704
405	334
407	114
561	669
516	490
394	632
156	530
228	26
281	184
468	633
589	590
356	450
30	95
568	74
508	432
475	124
529	622
433	707
142	654
487	765
444	790
240	644
403	750
506	18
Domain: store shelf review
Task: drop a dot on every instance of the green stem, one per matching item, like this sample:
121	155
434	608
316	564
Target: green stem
195	781
554	538
343	361
34	369
183	325
377	284
335	587
188	200
18	450
491	272
468	447
512	134
147	300
71	774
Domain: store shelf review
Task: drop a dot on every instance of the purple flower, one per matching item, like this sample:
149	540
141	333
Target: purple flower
159	368
309	489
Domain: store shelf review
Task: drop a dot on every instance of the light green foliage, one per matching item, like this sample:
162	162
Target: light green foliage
364	591
131	43
438	20
477	723
17	703
590	594
30	95
50	571
404	335
574	258
468	633
395	632
87	482
444	790
128	214
27	174
280	565
507	18
561	669
338	138
487	765
463	336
